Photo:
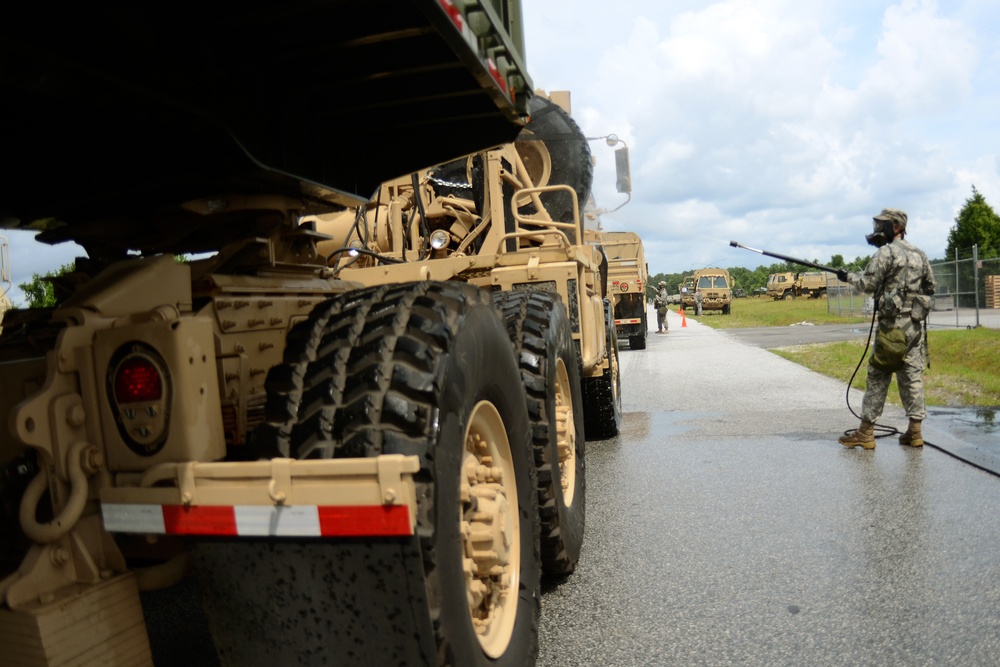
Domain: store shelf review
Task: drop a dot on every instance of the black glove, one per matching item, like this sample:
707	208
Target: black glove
842	275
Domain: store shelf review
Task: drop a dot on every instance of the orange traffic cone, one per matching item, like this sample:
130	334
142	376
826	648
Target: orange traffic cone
684	321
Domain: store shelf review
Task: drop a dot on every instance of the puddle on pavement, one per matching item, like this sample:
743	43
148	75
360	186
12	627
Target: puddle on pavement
981	420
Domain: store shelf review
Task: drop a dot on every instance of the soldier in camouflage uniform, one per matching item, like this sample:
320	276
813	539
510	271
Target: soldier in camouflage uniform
660	302
900	276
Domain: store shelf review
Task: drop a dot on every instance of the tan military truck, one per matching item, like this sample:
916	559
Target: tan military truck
687	288
627	279
782	286
349	470
496	220
811	284
716	289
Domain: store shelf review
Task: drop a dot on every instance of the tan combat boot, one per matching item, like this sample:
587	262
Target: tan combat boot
864	436
913	437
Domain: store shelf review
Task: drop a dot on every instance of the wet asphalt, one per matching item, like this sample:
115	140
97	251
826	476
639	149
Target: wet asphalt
726	526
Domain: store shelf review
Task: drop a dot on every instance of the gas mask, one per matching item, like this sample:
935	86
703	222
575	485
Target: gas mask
882	233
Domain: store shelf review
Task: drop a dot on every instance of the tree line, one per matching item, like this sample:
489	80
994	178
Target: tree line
975	225
751	279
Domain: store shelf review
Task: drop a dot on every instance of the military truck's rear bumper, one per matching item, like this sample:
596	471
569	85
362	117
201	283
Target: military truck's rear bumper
277	498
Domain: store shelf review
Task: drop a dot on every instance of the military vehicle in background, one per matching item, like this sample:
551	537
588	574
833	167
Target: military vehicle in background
715	285
782	286
628	275
687	291
787	285
357	470
813	284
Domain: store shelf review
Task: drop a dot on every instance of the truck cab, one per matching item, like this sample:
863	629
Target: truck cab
716	289
627	278
782	286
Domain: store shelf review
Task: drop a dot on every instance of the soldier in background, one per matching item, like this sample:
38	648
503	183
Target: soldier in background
660	303
900	277
698	299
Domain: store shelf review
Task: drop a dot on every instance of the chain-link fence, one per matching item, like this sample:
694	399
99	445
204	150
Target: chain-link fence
968	290
968	293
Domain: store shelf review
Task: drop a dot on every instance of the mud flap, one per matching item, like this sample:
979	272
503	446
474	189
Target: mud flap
343	602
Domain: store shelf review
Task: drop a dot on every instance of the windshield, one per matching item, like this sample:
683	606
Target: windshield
708	282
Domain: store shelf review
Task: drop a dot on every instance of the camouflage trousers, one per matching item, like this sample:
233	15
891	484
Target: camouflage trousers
909	378
661	319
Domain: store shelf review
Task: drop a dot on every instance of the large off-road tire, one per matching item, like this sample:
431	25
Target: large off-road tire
638	341
602	396
538	326
428	370
563	158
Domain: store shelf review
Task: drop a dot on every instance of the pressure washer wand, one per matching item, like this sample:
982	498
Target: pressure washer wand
792	260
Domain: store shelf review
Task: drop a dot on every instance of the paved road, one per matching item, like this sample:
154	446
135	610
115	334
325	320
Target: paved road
970	433
726	526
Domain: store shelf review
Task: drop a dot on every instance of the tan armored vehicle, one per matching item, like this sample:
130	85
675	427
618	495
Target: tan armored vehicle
353	461
715	285
627	279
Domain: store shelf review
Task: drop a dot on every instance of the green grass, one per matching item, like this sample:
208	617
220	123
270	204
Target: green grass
963	369
765	312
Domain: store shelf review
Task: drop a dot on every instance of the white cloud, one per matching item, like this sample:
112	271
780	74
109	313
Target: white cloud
786	122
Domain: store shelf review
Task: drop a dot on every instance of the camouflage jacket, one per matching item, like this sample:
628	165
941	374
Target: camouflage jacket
661	298
900	276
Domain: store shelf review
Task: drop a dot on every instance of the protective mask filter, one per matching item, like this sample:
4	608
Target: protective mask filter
881	233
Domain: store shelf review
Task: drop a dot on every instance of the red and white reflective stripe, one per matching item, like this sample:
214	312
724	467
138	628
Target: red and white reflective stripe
259	520
497	76
456	17
629	321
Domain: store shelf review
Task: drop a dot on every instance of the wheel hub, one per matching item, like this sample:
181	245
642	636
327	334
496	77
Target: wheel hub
565	433
489	529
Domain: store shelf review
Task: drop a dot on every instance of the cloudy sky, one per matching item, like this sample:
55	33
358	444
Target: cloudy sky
784	125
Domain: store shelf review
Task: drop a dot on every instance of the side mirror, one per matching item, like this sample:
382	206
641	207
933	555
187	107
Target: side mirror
623	175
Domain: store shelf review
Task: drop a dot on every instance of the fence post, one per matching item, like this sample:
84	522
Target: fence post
975	276
957	290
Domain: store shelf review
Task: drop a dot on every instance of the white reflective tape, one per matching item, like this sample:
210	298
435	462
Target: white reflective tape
133	518
263	520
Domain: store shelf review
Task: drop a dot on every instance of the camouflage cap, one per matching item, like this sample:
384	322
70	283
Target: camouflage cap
662	283
894	215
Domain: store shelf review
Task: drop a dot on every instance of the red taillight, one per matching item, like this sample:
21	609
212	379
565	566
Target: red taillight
137	380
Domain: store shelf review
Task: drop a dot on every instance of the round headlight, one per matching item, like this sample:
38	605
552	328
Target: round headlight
439	239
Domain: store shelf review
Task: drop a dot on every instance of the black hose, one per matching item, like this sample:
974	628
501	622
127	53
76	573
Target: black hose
885	431
881	429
